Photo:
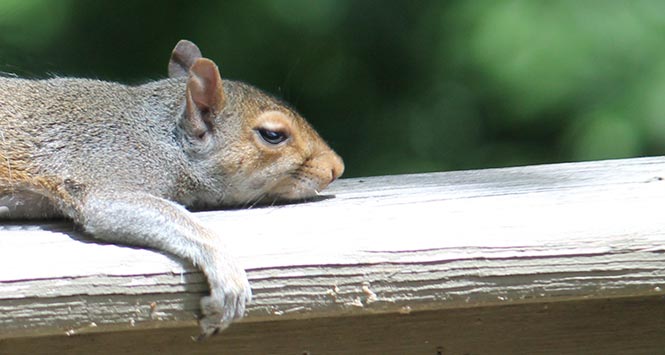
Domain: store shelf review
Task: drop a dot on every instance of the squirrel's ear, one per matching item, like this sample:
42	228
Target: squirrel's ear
183	56
205	96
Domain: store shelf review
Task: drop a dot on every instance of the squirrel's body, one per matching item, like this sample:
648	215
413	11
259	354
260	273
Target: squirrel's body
120	161
61	130
70	130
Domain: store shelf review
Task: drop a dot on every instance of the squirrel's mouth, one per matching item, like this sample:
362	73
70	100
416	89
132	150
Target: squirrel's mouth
301	184
295	188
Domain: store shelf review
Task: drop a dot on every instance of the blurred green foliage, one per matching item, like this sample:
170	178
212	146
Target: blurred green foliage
394	86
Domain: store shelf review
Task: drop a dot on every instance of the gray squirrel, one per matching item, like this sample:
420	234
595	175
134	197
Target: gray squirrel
123	162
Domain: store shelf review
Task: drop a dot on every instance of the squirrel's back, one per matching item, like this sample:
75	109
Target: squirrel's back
78	130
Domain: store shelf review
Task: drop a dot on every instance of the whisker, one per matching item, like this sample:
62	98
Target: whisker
257	199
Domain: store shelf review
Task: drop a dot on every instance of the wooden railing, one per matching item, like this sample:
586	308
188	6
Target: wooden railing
564	258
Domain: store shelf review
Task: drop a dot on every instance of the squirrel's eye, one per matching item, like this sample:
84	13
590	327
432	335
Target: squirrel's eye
272	137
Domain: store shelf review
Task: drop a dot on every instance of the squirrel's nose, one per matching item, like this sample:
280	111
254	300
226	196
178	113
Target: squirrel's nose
337	166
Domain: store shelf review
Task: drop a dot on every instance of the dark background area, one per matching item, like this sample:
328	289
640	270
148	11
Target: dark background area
397	86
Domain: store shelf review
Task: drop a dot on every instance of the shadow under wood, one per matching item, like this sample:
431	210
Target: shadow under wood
263	204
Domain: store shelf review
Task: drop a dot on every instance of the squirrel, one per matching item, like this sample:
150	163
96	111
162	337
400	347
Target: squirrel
125	162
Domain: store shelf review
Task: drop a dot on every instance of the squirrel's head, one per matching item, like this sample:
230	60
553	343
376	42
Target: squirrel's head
254	146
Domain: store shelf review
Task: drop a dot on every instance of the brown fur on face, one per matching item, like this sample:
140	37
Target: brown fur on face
297	168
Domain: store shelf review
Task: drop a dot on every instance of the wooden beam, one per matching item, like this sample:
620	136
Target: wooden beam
596	326
383	245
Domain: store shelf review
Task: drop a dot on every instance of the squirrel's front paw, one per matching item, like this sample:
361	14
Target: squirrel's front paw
225	303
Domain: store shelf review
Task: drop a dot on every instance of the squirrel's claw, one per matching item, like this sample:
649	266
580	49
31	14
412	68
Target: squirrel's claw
223	306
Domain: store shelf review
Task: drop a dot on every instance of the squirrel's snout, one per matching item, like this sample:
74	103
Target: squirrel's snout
337	166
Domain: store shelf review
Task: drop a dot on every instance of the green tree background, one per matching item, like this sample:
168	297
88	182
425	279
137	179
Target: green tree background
394	86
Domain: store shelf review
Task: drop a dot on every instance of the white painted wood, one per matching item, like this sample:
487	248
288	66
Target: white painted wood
383	244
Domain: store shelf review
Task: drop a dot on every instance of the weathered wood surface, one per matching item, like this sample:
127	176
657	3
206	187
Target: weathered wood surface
392	244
